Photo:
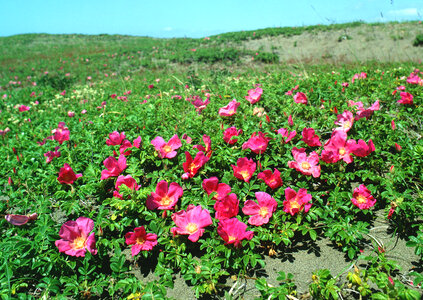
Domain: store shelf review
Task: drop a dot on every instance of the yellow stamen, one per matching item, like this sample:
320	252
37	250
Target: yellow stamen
167	149
342	151
361	199
191	228
79	243
305	165
244	174
231	238
263	212
165	201
140	240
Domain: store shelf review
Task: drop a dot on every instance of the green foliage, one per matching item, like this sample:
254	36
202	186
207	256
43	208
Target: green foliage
418	41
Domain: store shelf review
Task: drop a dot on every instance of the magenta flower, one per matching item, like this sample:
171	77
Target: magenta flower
52	154
362	149
254	95
61	133
227	207
307	165
345	121
366	113
115	138
362	197
260	213
164	198
296	202
406	98
191	166
76	238
300	98
113	167
229	133
140	240
230	109
127	144
362	75
166	150
67	175
125	180
191	222
244	169
337	148
207	142
23	108
212	185
257	143
286	134
273	180
310	138
233	231
198	103
19	220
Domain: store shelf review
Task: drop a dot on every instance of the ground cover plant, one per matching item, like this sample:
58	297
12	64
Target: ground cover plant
112	167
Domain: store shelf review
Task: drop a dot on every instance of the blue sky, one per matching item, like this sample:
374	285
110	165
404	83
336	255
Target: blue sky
173	18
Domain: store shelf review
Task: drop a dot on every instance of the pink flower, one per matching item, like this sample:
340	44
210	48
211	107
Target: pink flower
290	121
67	175
71	114
187	138
76	238
260	213
286	134
23	108
307	165
257	143
127	180
345	121
61	133
84	111
398	147
296	202
366	113
254	95
19	220
362	75
191	222
226	207
300	98
199	103
191	166
233	231
140	240
406	98
52	154
310	138
212	185
273	180
362	149
207	142
164	198
362	198
113	167
115	138
127	144
414	79
337	148
166	150
244	169
229	133
393	125
230	109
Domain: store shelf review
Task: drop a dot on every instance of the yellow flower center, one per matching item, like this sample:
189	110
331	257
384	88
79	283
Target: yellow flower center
361	199
305	165
165	201
79	243
244	174
231	238
191	228
342	151
347	124
140	240
263	212
295	204
167	149
231	112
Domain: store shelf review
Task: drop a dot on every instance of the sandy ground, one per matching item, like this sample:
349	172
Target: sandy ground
305	258
382	43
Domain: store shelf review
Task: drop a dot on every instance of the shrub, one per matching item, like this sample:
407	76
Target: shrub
418	41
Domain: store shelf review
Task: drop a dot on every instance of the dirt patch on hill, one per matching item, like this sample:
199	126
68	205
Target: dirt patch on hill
381	43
